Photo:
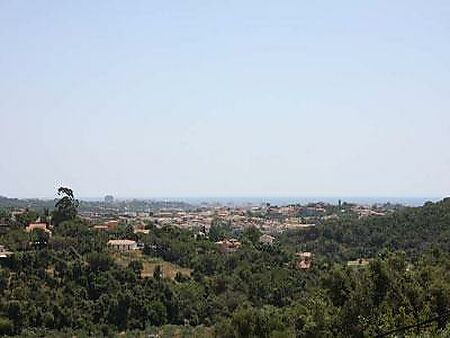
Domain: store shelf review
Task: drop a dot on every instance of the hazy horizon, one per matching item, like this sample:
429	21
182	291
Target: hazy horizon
191	98
255	200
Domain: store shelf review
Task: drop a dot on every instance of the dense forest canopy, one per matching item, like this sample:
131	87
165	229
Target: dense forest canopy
71	283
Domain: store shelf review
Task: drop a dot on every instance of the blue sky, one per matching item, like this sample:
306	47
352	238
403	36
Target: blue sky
225	98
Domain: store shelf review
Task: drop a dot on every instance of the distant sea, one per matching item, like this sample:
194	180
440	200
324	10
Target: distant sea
236	201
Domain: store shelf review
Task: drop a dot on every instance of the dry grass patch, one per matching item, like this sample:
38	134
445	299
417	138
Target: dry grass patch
150	263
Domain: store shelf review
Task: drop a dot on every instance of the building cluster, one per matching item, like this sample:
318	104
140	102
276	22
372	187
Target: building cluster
4	252
109	225
366	211
38	226
228	245
268	219
265	217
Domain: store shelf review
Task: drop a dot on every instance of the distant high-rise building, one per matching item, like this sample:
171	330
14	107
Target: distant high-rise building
109	199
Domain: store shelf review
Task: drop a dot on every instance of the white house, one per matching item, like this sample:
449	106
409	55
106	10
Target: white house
122	244
266	239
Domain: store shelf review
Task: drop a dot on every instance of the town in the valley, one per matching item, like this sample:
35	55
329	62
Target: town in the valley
140	216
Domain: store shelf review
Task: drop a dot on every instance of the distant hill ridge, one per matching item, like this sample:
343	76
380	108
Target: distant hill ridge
135	204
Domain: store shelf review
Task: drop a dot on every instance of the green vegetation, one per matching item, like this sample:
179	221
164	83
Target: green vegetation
413	230
147	264
66	207
180	285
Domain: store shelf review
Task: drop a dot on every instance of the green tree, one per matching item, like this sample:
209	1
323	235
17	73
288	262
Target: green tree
6	326
99	261
39	238
27	217
136	266
66	206
252	234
